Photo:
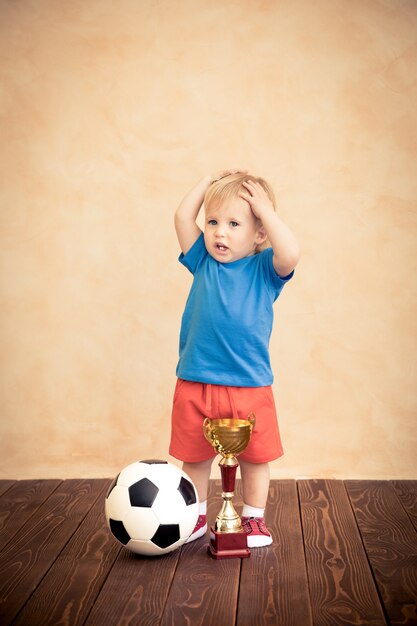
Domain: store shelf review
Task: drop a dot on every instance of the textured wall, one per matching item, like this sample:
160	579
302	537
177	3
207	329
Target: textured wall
110	111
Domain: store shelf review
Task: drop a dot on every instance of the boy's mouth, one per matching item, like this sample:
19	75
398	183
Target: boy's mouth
221	247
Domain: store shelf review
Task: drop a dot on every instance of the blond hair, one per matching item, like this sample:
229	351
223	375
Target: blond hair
228	187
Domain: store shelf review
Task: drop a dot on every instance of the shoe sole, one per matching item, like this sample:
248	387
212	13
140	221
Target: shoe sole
259	541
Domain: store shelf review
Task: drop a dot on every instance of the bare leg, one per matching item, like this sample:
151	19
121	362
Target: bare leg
255	483
199	474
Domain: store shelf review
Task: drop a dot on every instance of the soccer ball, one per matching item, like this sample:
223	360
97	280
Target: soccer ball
152	507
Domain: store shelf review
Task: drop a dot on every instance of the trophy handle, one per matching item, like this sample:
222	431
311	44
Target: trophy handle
252	419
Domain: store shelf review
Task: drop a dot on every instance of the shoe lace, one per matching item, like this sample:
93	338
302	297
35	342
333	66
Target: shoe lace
252	524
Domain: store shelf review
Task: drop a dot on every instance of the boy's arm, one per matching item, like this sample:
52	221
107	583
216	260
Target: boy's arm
185	216
187	212
285	246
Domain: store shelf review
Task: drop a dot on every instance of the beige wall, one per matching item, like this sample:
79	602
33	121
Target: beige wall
110	112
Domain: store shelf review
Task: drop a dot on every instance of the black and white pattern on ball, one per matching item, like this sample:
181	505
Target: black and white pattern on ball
119	531
152	507
143	493
188	492
166	535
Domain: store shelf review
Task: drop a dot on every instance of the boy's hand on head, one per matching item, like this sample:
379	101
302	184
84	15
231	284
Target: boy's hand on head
257	197
228	172
284	245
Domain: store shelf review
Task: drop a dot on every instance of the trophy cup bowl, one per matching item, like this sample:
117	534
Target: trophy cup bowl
229	437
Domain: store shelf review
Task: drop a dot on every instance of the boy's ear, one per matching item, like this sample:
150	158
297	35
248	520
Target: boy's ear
261	235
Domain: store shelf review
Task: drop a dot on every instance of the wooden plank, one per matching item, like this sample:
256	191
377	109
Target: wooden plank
61	567
341	585
135	591
24	561
78	573
5	485
274	586
406	491
204	590
390	540
19	503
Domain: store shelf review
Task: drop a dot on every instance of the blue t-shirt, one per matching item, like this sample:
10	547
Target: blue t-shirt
227	321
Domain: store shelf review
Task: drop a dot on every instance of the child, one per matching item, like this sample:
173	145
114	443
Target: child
224	367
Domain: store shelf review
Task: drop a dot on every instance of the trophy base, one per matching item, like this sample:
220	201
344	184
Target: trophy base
228	545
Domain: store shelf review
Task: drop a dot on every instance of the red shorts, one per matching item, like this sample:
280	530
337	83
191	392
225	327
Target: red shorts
193	402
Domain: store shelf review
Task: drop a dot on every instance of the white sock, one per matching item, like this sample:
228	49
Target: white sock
203	508
252	511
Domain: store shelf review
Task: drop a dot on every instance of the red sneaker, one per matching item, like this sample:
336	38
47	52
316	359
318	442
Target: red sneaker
257	533
199	530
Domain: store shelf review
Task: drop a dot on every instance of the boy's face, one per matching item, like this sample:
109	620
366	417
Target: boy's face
232	231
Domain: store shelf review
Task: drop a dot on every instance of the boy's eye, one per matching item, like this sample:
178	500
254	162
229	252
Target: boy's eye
234	224
212	222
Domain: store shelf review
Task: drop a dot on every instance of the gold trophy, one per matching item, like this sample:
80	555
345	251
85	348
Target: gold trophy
229	437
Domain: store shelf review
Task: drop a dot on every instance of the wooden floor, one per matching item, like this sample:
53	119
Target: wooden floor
344	553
